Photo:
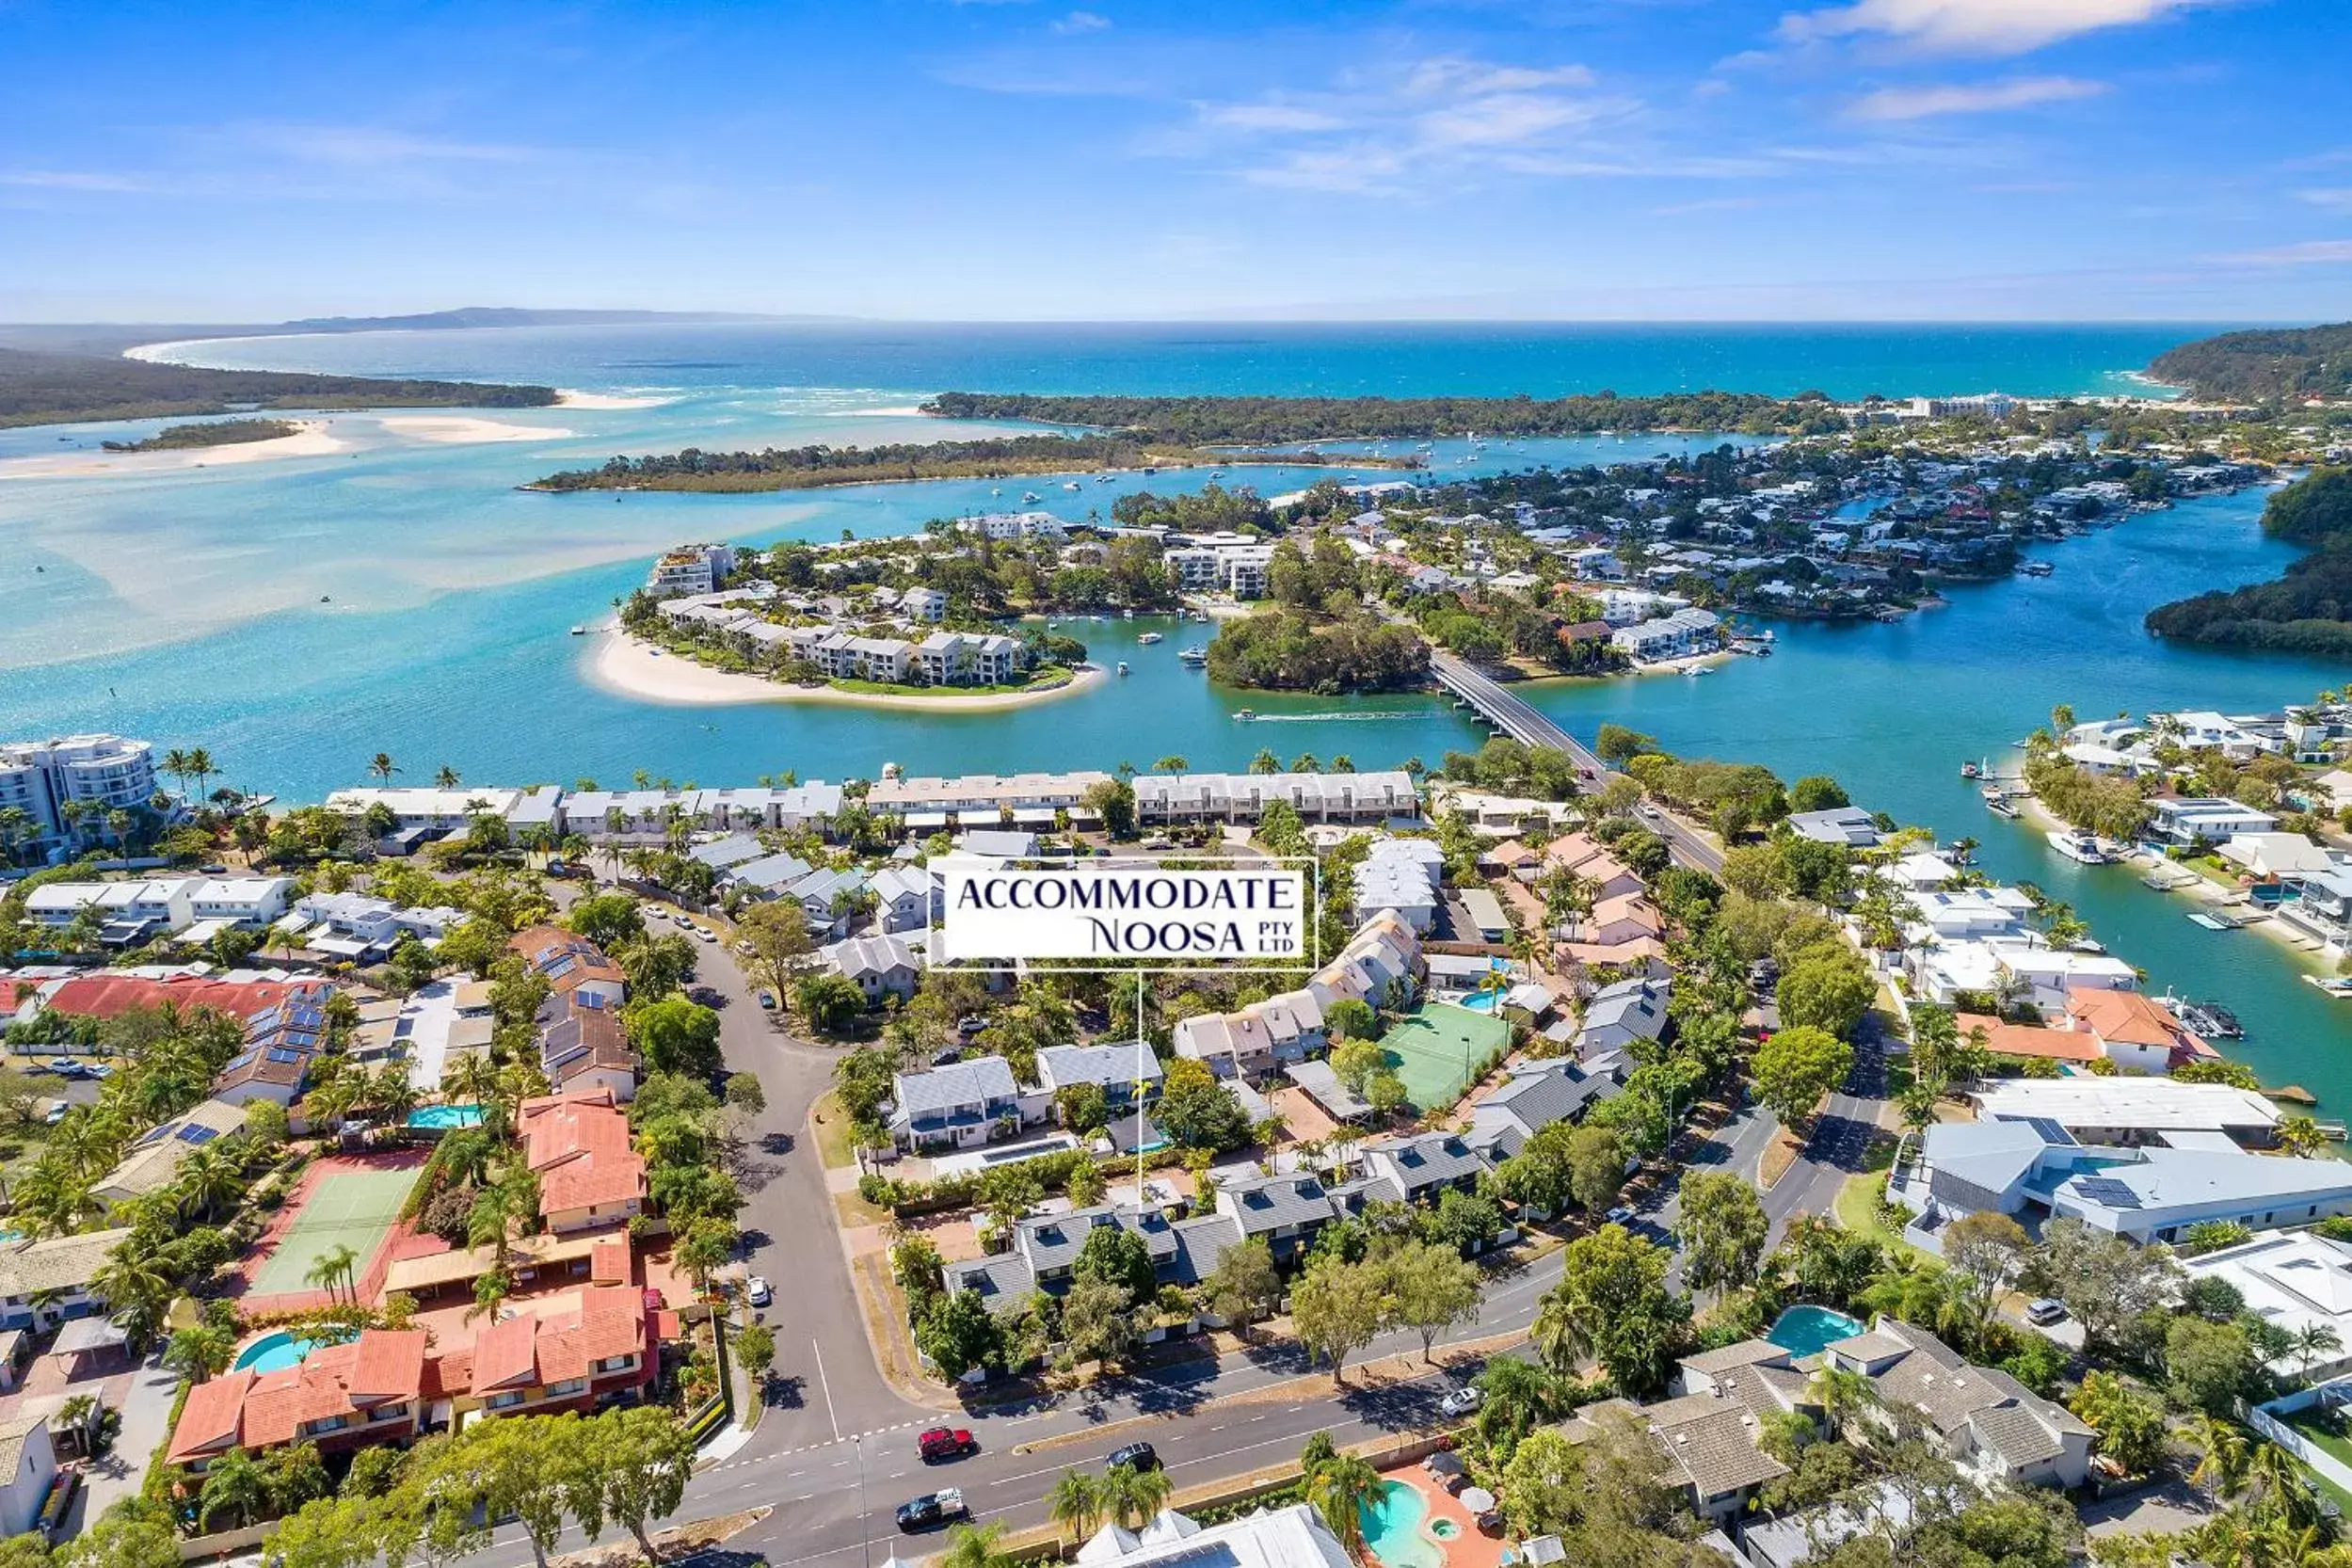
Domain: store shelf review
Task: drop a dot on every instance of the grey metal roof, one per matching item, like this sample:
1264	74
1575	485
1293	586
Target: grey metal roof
1004	1281
1061	1065
1201	1245
1051	1242
1264	1203
1425	1159
983	1077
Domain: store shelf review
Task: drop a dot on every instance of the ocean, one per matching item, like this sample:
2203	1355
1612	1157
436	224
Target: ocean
185	606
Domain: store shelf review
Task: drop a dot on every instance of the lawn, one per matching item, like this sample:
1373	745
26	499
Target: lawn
2322	1434
347	1208
1440	1049
1856	1209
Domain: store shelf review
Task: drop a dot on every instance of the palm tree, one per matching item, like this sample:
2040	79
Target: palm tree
381	766
1265	761
1171	764
1134	1497
175	765
489	1291
134	1283
206	1182
1562	1336
1341	1489
233	1485
974	1546
329	1269
1516	1397
201	1350
1076	1500
447	778
200	767
2314	1339
1840	1393
2222	1466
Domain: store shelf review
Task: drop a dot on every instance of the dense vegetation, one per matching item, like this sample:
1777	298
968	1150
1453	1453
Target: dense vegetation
1247	420
46	388
2257	366
810	467
224	432
2308	609
1293	650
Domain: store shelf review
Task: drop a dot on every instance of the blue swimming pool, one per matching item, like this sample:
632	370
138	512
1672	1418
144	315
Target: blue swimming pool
273	1352
445	1118
1481	1001
1807	1329
1392	1528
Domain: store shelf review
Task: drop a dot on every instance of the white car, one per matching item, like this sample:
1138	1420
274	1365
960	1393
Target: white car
1462	1402
759	1292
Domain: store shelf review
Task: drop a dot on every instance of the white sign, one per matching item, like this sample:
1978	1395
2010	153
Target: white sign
1147	913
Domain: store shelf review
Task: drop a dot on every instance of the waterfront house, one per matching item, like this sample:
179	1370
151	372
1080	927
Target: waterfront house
2291	1280
415	809
363	929
690	568
1674	636
2132	1112
2133	1029
2184	821
2271	856
961	1106
1848	825
1180	799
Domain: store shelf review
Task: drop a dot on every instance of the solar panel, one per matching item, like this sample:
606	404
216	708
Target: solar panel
2049	1130
198	1135
286	1058
560	968
2108	1191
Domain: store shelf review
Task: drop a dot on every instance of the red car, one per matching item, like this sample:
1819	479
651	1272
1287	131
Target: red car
945	1443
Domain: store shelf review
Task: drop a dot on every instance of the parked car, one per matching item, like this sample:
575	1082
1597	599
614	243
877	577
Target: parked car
945	1443
932	1511
65	1066
759	1292
767	1001
216	869
55	1112
1135	1456
99	1069
2045	1310
703	932
1462	1402
1618	1215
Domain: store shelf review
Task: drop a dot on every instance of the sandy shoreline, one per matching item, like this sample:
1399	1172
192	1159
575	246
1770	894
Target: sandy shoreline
572	397
627	667
311	440
466	429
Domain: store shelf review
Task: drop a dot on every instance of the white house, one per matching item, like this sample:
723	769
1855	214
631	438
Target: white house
877	966
2186	822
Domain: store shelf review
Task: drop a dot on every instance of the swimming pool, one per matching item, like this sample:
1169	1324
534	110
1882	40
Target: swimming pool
1392	1528
445	1118
273	1352
1479	1001
1807	1329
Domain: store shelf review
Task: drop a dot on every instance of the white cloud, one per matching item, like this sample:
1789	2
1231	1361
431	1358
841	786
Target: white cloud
2017	92
1507	120
1081	22
1271	118
84	180
1976	27
2307	253
2338	199
1454	76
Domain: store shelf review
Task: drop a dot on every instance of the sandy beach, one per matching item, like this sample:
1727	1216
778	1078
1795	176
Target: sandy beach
569	397
310	441
627	666
466	429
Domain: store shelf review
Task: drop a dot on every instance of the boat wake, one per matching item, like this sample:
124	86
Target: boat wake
1329	718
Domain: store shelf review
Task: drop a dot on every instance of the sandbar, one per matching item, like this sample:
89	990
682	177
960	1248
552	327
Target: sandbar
569	397
310	441
464	428
628	666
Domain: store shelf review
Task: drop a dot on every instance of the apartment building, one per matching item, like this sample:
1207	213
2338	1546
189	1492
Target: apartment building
96	773
691	569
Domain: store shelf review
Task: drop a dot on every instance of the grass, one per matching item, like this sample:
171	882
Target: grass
832	1127
353	1208
1046	679
1856	1209
1438	1050
2334	1444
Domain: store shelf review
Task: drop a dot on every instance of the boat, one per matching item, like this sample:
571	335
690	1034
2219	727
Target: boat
1122	666
2330	984
2037	569
2209	1019
2080	847
1696	670
1245	714
2000	807
326	598
1972	770
1150	637
1030	498
579	630
1072	485
1992	793
1195	656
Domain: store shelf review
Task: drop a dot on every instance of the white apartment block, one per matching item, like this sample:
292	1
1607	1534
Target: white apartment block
1236	563
104	773
691	569
1015	525
925	605
969	659
138	911
1685	632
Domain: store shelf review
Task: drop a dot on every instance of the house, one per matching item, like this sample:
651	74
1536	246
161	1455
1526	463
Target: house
2133	1029
1849	826
767	875
1621	930
1126	1074
28	1468
583	1047
878	966
2131	1110
1284	1211
366	1391
1708	1441
280	1042
2203	820
962	1104
1983	1418
1422	1167
359	928
1535	1095
154	1157
2267	856
592	1348
2036	1170
578	1145
902	897
828	898
1619	1015
2293	1280
47	1282
1676	636
570	965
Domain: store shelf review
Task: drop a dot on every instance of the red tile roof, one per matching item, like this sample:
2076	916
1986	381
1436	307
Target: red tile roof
579	1146
2006	1039
545	948
2126	1018
263	1410
105	996
565	1341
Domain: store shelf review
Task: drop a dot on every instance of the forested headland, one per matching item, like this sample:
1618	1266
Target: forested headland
220	432
51	389
2308	609
1249	421
2263	366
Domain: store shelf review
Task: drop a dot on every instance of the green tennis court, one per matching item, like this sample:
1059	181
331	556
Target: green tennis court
1440	1049
347	1208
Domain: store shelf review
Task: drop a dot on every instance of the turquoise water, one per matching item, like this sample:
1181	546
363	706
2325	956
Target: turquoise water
1807	1330
444	1117
273	1352
1392	1528
1479	1001
453	593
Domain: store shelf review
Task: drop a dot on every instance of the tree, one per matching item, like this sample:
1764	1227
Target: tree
1515	1398
1595	1159
828	1001
754	1350
777	933
234	1487
1076	1500
643	1459
2130	1425
1722	1227
1829	993
1113	800
975	1546
2105	1280
1430	1288
1335	1309
957	1334
331	1270
1613	1303
1134	1497
608	920
1356	1060
1816	792
201	1350
2208	1365
1342	1488
678	1035
1100	1321
1994	1251
1244	1286
1119	1256
1796	1066
1541	1483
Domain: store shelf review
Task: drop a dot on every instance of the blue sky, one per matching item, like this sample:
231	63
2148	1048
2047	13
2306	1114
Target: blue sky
1692	159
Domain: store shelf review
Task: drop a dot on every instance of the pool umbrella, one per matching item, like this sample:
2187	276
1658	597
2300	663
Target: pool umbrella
1442	1464
1478	1500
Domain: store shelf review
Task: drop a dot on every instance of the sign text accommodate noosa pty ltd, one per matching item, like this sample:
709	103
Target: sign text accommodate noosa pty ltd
1130	912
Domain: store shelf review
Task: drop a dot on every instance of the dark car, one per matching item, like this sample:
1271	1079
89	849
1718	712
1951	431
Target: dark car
930	1512
1135	1456
945	1443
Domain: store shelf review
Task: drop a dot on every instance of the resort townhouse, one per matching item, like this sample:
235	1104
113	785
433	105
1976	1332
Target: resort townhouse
2035	1170
1015	525
95	775
593	1346
961	1106
583	1047
1283	1212
570	965
578	1145
903	898
47	1282
1422	1167
879	966
1676	636
1537	1095
828	898
969	659
366	1391
1380	964
359	928
1129	1076
1176	799
423	808
281	1042
929	605
1045	1247
1402	876
983	800
1619	1017
2202	819
193	908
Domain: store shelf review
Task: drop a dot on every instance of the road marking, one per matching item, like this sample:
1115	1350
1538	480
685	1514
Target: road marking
825	1384
1257	1418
